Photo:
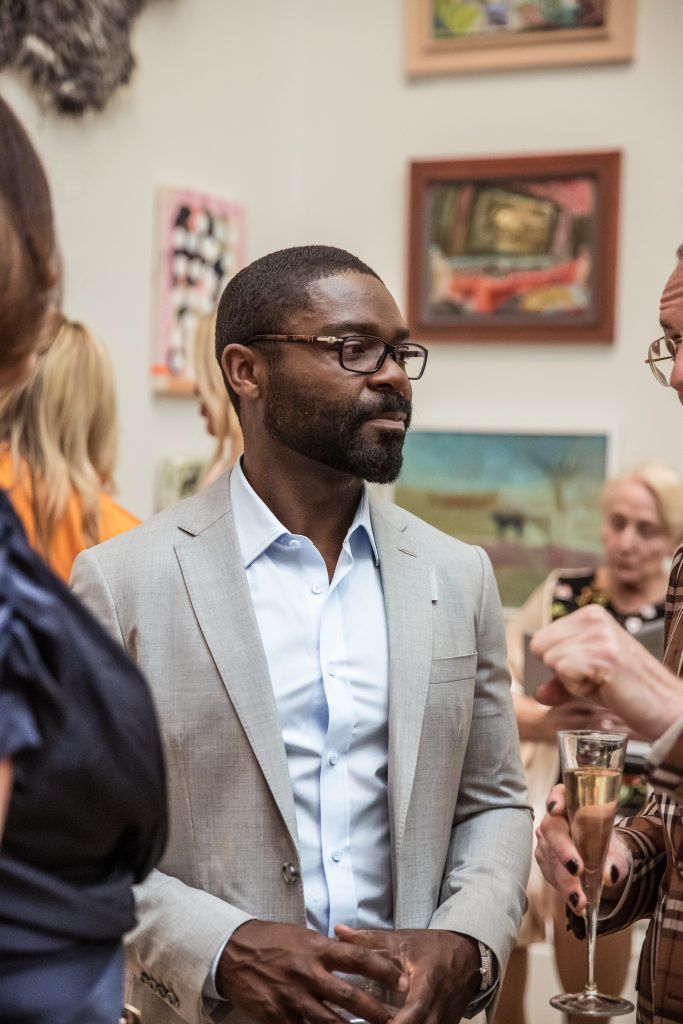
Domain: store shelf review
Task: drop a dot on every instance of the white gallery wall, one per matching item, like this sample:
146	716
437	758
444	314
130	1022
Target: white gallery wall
300	109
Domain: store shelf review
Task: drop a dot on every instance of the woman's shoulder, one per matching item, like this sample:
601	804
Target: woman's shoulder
114	519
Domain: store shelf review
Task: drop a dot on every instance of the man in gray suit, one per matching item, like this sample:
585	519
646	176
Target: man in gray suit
349	826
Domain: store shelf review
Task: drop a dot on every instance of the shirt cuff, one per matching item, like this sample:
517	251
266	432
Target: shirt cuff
213	1004
664	768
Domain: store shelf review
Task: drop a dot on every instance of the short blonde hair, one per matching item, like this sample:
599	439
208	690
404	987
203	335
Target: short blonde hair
213	393
666	487
61	427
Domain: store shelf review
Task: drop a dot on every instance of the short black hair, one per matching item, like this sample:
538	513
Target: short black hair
261	297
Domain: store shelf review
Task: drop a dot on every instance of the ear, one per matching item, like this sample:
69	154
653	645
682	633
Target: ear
244	368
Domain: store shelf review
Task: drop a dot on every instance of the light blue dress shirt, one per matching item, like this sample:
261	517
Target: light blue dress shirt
327	648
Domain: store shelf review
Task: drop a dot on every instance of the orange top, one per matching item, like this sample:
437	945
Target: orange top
68	538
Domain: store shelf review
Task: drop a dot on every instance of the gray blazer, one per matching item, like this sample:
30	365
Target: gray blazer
175	594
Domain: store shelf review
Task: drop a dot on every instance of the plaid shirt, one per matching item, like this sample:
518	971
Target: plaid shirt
655	838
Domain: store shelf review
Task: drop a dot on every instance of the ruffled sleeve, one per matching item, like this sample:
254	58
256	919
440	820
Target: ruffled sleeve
30	696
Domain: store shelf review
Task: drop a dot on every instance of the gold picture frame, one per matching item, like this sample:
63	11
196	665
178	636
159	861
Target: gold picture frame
610	42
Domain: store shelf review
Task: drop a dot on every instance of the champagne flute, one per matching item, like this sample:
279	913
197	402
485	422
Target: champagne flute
592	764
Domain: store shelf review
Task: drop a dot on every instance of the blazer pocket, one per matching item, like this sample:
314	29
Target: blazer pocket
450	670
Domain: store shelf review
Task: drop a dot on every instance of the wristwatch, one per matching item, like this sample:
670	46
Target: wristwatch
486	969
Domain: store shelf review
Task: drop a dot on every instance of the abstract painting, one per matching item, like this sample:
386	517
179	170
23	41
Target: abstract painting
531	500
517	248
200	246
455	19
459	36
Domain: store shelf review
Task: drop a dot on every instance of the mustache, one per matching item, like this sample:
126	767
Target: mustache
389	403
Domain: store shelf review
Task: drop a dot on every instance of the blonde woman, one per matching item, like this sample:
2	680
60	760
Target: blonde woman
642	525
58	449
215	407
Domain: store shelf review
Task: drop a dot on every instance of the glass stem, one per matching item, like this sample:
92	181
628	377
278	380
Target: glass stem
593	890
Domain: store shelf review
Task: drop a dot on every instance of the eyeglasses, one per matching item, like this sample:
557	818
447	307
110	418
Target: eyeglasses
361	353
662	350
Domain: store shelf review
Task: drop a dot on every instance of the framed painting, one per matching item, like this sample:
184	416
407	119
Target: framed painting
514	248
532	501
461	36
200	245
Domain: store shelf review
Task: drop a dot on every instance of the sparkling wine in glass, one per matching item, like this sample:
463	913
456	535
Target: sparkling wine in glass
592	764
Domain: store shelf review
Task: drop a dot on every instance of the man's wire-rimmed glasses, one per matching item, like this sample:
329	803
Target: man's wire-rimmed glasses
361	353
662	351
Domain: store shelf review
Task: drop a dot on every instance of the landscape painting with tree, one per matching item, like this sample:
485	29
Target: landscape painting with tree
531	500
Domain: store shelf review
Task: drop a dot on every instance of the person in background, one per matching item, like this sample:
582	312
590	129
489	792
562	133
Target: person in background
592	658
215	406
82	782
58	441
642	524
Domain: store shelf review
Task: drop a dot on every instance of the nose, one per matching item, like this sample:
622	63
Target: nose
391	376
676	379
627	538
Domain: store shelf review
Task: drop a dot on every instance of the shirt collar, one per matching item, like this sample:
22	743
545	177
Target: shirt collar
257	528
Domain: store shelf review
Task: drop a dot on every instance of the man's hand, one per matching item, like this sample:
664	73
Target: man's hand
594	658
561	862
574	715
442	969
279	973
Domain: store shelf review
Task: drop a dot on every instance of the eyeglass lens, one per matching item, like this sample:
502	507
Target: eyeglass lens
661	355
364	354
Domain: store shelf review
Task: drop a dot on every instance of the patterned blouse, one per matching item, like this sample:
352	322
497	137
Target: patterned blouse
573	592
655	838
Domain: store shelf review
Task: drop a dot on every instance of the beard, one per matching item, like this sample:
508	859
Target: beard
331	432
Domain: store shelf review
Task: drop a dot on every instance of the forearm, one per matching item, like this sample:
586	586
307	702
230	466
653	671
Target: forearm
483	893
179	931
6	779
531	718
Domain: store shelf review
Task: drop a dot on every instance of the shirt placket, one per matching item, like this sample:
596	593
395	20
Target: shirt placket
335	797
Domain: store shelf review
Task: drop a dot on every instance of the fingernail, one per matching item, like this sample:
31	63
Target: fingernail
574	898
572	866
614	874
549	806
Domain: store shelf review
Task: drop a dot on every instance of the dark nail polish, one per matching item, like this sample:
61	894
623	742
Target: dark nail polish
574	898
572	866
614	874
549	806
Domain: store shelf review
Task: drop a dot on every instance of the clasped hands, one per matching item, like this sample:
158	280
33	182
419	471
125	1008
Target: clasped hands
285	973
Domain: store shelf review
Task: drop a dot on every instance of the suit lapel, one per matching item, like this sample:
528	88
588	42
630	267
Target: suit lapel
211	563
408	594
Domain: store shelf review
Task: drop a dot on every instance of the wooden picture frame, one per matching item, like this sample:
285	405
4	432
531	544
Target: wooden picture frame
499	49
519	248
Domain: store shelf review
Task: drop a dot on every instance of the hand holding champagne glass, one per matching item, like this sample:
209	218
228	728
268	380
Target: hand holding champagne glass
592	765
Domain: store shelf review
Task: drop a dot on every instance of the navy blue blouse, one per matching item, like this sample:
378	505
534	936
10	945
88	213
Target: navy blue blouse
87	816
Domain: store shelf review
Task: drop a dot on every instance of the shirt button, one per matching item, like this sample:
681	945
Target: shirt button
294	544
317	589
336	856
331	670
333	758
